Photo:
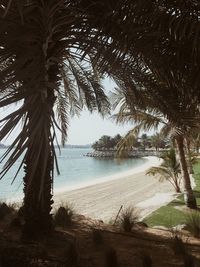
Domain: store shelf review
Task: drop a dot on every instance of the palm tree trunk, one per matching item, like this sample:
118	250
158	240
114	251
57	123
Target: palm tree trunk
37	207
177	187
39	172
190	199
187	147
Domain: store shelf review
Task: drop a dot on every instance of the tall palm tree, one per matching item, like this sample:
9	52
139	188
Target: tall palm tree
161	38
152	115
41	66
168	170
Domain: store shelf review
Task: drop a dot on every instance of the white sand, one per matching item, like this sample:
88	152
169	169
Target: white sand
102	200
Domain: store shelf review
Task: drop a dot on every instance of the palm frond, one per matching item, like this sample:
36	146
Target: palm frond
126	143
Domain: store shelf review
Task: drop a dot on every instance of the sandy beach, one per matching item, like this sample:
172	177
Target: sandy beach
102	200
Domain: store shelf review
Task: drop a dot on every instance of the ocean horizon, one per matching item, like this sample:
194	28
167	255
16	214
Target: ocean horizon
76	170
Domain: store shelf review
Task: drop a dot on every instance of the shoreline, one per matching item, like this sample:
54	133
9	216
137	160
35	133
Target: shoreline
102	198
150	161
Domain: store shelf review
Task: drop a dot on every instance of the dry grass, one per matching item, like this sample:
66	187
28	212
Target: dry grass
128	218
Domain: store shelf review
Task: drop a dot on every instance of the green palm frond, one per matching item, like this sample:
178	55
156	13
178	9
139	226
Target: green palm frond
126	143
168	170
160	172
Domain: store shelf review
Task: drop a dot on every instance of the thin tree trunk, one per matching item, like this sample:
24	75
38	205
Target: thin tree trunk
187	146
177	187
197	146
190	199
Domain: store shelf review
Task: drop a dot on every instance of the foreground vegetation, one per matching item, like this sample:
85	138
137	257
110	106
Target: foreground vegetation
170	215
79	242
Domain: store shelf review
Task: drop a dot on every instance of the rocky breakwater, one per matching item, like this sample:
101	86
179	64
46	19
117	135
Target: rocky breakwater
101	154
130	154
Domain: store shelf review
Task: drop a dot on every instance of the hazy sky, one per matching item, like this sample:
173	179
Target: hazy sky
90	127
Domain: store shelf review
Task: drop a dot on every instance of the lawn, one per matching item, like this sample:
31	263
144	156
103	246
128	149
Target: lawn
170	216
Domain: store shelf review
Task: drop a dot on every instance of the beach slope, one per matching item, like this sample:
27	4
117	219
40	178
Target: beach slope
102	200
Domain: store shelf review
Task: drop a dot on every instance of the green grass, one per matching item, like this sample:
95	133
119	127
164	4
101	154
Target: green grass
168	215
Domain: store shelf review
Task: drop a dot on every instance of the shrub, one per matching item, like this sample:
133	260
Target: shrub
127	219
193	223
111	258
63	216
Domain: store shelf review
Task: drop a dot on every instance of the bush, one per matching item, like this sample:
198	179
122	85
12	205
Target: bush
127	219
63	216
193	223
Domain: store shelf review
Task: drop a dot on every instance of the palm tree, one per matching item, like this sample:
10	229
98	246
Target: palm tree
145	140
152	115
159	40
41	67
168	170
157	141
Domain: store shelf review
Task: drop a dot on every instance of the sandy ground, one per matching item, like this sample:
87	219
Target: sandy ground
130	188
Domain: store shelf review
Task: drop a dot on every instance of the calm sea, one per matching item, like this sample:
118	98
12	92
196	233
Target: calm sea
75	169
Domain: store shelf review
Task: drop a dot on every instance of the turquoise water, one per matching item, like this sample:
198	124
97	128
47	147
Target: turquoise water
75	169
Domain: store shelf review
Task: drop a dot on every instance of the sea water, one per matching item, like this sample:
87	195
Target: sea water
75	170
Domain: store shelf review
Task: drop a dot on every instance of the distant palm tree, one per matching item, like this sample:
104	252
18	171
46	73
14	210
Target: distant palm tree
168	170
144	140
157	141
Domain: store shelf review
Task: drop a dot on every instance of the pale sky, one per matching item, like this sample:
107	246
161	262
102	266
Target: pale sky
88	128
